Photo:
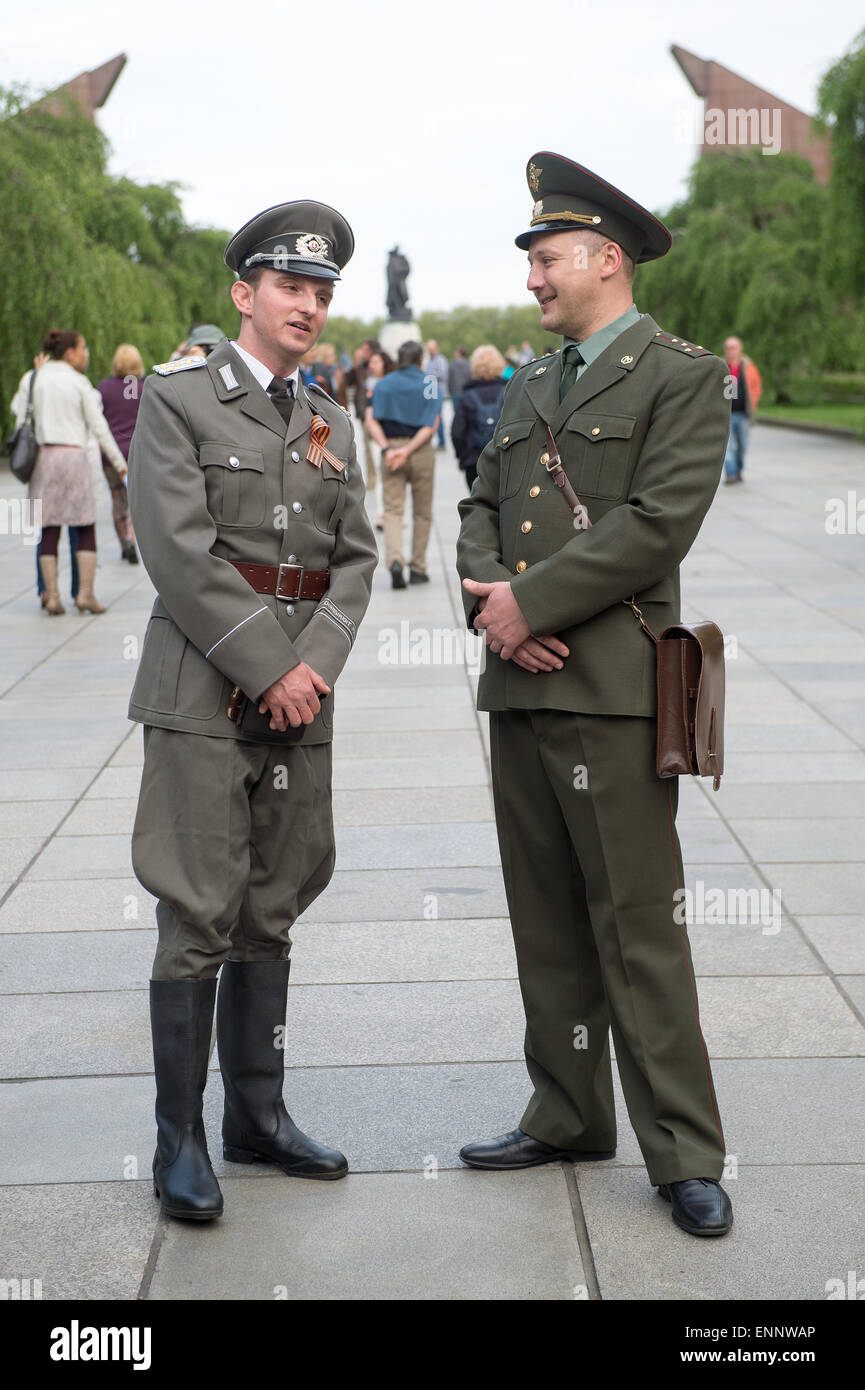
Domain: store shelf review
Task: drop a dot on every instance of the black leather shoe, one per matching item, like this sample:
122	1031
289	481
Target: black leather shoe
418	577
397	578
700	1206
181	1014
519	1150
256	1127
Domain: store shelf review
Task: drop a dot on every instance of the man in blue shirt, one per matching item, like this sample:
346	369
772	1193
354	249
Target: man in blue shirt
402	420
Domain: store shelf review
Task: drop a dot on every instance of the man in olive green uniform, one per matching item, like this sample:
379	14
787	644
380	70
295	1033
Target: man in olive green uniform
248	505
589	850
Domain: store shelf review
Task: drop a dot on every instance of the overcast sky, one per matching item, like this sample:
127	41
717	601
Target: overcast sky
415	121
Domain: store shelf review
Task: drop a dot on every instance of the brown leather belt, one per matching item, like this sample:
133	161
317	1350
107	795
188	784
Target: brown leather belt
285	581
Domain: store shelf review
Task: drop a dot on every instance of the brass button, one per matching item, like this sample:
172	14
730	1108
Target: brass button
505	438
521	565
540	371
545	458
534	491
235	462
596	429
526	526
626	359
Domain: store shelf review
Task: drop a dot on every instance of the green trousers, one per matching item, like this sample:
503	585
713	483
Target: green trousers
235	839
591	861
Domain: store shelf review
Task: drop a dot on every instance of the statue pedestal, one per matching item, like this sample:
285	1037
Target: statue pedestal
394	333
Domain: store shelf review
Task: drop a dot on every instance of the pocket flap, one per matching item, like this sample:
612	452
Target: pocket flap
598	427
513	432
230	456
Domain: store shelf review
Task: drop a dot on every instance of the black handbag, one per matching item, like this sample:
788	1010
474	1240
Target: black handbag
21	446
244	713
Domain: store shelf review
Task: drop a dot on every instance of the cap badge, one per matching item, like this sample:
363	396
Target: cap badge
311	244
537	210
535	178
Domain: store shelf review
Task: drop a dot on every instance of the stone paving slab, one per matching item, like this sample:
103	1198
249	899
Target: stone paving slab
390	1118
83	856
55	962
394	805
45	784
823	841
386	1236
92	816
792	1233
82	1240
32	818
839	940
480	948
854	988
15	854
402	894
815	889
413	846
772	800
77	905
778	1017
744	949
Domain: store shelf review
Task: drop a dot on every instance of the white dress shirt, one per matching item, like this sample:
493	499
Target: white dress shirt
262	374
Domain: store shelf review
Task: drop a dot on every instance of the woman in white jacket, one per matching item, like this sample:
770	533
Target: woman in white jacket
66	409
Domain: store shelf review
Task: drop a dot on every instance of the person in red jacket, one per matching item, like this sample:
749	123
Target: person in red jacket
745	389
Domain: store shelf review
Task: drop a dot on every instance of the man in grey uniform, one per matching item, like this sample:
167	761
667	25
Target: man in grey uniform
248	504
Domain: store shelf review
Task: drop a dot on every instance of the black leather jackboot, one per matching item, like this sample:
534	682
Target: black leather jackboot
256	1128
181	1017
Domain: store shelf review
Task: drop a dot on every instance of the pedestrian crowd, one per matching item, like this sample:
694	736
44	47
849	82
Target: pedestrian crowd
399	405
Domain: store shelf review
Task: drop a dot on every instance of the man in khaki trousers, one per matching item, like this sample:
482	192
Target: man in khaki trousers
402	420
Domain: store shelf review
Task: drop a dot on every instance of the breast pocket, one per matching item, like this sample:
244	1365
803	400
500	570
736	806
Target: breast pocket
234	480
599	453
514	441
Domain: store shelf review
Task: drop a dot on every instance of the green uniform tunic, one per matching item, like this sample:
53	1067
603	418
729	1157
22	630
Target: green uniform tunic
590	855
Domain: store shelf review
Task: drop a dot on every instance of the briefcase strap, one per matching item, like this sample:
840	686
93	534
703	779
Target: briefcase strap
553	464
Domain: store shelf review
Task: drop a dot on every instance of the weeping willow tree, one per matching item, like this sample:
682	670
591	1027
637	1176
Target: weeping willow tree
747	260
80	249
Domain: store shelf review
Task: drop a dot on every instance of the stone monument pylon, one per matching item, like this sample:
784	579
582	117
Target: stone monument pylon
399	327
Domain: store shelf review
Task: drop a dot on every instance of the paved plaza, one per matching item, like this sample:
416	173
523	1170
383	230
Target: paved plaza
404	1033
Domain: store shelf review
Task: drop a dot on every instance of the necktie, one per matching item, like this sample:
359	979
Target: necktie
572	362
282	395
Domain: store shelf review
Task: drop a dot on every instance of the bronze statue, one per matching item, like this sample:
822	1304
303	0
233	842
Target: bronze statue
397	291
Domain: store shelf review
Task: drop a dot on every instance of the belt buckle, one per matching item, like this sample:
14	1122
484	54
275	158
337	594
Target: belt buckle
289	598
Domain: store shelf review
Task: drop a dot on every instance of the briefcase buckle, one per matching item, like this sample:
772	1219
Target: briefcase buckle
298	570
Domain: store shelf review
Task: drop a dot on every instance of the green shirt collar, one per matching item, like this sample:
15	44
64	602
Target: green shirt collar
596	343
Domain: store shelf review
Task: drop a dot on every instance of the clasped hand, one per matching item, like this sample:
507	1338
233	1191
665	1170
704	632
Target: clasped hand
506	631
293	699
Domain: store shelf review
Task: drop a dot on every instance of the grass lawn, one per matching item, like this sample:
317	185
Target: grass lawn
850	416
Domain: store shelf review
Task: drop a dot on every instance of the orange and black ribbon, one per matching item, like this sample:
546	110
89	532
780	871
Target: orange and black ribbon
319	435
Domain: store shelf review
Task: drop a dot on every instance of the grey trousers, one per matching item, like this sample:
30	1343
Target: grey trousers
235	840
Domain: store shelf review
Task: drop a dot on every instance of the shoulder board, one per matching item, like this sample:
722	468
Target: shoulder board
537	366
182	364
314	386
681	345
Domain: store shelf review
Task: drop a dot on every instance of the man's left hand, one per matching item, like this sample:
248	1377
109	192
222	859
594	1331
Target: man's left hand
501	621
